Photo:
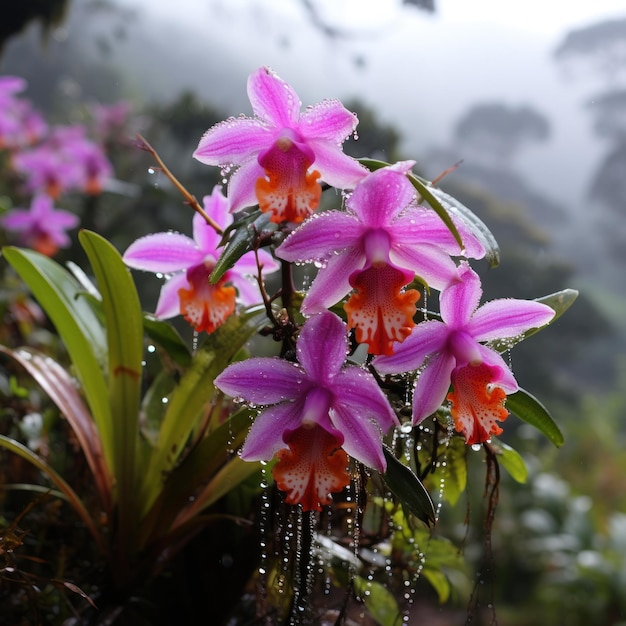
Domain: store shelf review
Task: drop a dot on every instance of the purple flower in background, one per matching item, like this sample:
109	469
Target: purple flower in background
42	227
451	353
188	263
313	408
282	153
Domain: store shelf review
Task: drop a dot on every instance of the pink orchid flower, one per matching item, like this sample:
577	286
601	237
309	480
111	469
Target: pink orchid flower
189	262
451	352
377	247
276	150
42	227
316	411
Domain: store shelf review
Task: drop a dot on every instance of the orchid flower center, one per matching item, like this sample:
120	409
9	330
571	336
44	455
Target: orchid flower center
316	407
464	348
377	245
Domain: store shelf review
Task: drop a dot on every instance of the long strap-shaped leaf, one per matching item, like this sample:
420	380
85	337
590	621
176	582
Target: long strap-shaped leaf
193	396
124	326
61	297
59	386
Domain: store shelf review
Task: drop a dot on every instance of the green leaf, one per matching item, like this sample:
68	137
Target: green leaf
163	334
61	297
124	324
474	223
512	462
454	473
531	411
379	601
559	301
194	394
195	470
246	232
439	582
408	488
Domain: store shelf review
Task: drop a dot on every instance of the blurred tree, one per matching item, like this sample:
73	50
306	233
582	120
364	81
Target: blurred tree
596	49
16	17
497	132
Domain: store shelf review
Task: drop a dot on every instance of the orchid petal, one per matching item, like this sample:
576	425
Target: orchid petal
265	438
459	300
242	184
332	282
381	196
432	386
206	238
17	219
362	436
432	264
336	168
422	225
506	379
247	291
168	304
426	338
233	141
508	317
328	120
357	388
322	347
163	252
263	380
273	99
320	237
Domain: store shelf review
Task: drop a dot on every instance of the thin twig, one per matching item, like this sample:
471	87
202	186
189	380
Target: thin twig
189	197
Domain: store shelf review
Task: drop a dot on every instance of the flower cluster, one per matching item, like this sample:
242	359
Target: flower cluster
374	254
49	161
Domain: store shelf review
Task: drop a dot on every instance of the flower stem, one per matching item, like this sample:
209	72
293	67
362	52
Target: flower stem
189	197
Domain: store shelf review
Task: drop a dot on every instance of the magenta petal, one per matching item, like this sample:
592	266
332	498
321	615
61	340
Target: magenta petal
322	347
207	240
362	436
332	282
433	265
242	184
233	141
328	120
273	99
263	380
163	252
506	380
60	219
426	338
508	317
381	196
357	388
169	300
432	386
336	168
17	219
265	438
320	237
460	299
